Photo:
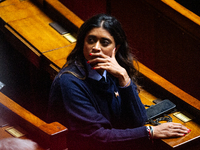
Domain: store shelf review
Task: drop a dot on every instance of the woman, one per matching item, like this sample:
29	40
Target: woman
102	114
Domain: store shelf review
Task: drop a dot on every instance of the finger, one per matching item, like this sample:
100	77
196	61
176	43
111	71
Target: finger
97	60
113	52
180	131
180	126
177	126
176	134
98	54
102	66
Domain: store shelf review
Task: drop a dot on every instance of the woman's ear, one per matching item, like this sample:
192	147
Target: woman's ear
116	48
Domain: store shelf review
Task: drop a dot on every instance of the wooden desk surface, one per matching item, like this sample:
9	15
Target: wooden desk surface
32	23
59	56
4	134
147	99
14	10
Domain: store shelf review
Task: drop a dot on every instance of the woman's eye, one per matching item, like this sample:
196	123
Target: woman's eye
105	42
90	40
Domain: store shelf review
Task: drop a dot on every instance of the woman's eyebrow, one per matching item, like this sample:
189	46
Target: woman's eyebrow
91	36
106	39
103	38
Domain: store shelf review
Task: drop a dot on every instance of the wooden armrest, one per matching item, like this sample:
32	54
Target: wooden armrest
179	14
63	15
169	86
51	135
182	10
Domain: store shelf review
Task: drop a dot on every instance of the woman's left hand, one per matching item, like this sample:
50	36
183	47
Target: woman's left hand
102	62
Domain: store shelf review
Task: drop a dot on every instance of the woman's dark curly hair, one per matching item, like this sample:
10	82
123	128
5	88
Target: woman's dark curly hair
113	26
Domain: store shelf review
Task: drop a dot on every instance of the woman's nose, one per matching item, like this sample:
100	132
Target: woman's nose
97	46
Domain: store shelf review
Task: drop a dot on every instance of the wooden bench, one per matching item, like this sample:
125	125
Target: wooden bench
51	135
160	88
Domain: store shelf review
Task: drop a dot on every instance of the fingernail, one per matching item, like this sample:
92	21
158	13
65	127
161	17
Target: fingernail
88	62
93	68
183	134
90	54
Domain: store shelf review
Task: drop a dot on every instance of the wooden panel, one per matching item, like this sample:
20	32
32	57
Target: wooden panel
58	12
175	12
148	98
166	37
34	30
193	18
15	10
169	86
177	45
39	130
138	22
17	109
64	11
30	26
86	9
59	56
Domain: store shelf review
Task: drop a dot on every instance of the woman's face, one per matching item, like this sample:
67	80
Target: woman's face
98	40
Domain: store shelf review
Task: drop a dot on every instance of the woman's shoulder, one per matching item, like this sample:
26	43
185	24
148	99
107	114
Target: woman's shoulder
69	76
71	71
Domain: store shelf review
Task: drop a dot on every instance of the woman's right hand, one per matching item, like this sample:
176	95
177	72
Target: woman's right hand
169	129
